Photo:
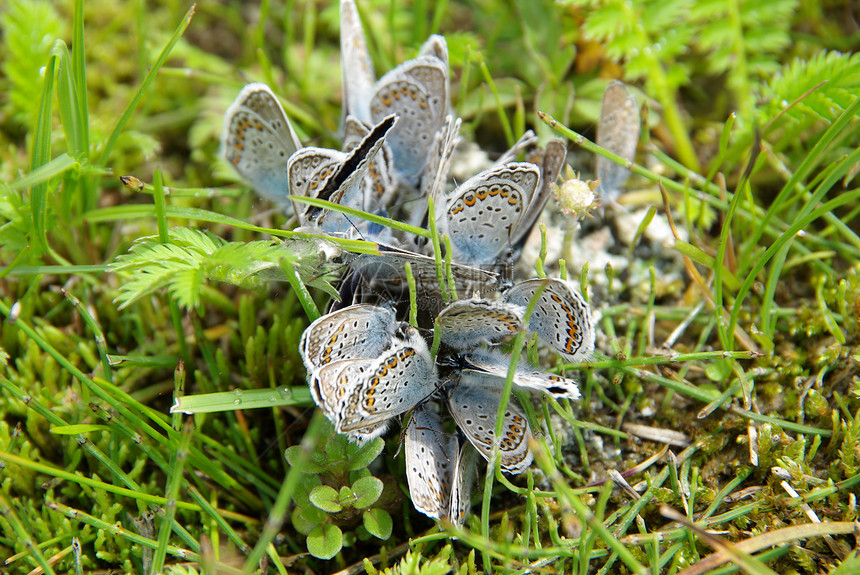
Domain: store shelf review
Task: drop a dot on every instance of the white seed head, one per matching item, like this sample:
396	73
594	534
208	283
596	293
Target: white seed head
574	196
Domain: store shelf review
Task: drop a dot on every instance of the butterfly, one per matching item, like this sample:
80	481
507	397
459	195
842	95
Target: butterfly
416	90
258	140
561	318
340	177
617	131
390	385
489	216
490	368
468	323
474	405
440	471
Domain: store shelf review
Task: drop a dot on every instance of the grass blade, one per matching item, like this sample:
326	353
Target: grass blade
147	81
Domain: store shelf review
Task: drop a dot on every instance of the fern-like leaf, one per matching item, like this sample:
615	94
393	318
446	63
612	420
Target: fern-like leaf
638	32
821	88
193	257
185	285
29	30
649	36
840	74
202	242
743	40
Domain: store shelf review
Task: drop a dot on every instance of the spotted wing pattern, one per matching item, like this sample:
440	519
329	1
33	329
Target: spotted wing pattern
310	168
397	381
552	160
483	211
467	323
431	457
417	92
258	139
355	331
329	386
561	319
475	407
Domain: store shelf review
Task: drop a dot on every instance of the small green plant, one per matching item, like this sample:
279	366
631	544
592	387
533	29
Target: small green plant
338	490
190	257
416	564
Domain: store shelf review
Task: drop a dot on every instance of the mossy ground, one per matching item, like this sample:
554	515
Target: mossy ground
97	477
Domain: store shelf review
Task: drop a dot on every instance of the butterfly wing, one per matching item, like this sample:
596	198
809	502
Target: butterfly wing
355	331
617	131
399	379
310	168
258	140
431	457
331	383
551	163
465	474
494	367
380	184
338	177
417	92
482	212
474	406
467	323
437	168
562	318
356	65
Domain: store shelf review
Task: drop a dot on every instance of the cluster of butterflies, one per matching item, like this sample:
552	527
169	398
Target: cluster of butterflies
366	368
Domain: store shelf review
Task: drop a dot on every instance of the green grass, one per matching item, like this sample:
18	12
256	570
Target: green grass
118	302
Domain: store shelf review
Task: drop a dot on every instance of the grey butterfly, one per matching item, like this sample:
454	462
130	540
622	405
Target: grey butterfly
436	170
467	323
258	139
431	458
489	216
491	368
617	131
384	273
475	405
381	183
354	331
330	385
562	318
416	90
338	177
440	470
356	64
396	381
482	215
465	474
